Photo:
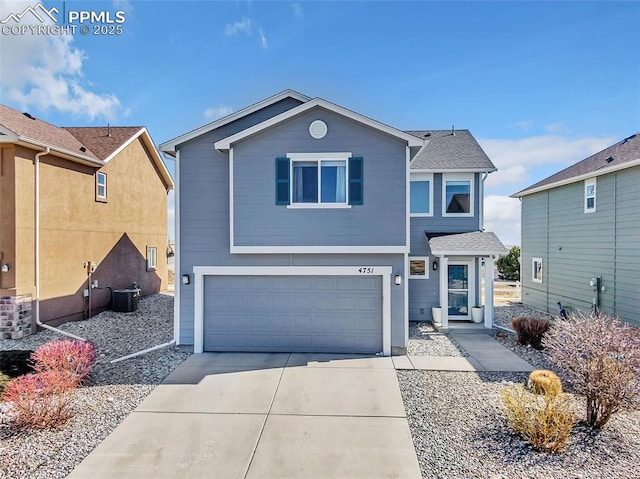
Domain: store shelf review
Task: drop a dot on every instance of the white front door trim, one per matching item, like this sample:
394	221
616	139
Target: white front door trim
471	285
364	270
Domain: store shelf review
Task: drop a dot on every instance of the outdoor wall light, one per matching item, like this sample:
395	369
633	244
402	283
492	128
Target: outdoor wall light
434	266
398	279
186	279
5	268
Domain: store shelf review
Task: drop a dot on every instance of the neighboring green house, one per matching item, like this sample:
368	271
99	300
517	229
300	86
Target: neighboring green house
581	235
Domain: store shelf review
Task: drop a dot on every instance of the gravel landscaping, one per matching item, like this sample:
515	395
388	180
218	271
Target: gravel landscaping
459	432
424	340
112	392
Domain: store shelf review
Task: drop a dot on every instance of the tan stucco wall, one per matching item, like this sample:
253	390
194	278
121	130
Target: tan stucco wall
74	229
7	220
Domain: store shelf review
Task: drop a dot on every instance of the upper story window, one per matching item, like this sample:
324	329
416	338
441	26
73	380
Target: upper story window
319	180
421	194
590	195
457	195
101	186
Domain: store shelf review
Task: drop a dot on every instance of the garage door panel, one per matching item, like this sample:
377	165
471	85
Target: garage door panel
294	313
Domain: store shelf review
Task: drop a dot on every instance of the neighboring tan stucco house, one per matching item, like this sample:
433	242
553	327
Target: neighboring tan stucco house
581	235
304	226
74	196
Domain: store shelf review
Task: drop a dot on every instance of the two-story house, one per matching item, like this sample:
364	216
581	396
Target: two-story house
304	226
581	235
83	211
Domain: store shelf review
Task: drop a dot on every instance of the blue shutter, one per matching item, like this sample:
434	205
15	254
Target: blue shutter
356	185
282	181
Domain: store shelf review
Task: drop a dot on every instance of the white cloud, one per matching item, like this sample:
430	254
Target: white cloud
519	160
502	216
213	113
297	9
124	5
243	26
247	27
46	71
524	124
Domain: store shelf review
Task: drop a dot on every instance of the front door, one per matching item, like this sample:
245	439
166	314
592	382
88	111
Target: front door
460	288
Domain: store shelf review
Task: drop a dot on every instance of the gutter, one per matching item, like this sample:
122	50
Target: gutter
36	164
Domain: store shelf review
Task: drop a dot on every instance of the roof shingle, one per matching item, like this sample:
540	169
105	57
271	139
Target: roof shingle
98	140
447	151
475	243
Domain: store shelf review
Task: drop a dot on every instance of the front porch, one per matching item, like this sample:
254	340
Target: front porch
461	257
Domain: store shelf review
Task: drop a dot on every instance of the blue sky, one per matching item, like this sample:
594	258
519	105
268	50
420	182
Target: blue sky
540	84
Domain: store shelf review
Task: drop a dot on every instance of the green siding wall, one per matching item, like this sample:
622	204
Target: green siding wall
576	246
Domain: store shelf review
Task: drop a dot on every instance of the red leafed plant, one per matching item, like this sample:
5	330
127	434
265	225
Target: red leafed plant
71	356
41	400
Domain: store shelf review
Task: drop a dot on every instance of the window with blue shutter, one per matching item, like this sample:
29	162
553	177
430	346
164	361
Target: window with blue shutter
356	175
282	181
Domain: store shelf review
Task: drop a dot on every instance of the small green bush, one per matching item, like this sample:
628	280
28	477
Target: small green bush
4	379
530	331
545	382
545	421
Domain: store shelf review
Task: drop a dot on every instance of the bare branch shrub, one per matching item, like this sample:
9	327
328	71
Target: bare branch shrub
75	357
545	382
530	331
40	400
543	420
600	356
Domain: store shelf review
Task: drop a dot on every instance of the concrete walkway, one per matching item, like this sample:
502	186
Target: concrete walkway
234	415
485	354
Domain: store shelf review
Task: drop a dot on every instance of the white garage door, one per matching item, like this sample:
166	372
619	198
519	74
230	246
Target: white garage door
293	313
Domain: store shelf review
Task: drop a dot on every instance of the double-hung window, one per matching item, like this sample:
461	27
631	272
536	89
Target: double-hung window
101	186
457	195
152	258
590	196
421	194
536	270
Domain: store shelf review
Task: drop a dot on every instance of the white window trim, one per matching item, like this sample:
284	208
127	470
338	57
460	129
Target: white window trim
589	182
458	177
317	158
427	266
199	273
152	266
533	270
422	177
98	184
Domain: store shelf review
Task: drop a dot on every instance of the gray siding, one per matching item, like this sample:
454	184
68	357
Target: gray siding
204	217
577	246
258	221
425	293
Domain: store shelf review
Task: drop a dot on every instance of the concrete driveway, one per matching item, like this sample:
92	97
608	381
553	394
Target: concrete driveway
243	415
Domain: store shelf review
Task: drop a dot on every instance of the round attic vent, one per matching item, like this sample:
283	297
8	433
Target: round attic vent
318	129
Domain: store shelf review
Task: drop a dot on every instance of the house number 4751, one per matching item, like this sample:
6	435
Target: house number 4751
365	270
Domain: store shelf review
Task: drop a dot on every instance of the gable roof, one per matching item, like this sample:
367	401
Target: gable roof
169	147
85	145
27	130
226	143
450	150
624	154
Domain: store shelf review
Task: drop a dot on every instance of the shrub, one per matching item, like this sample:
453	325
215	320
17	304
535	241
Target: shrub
509	265
544	421
530	331
40	400
4	379
545	382
601	358
74	357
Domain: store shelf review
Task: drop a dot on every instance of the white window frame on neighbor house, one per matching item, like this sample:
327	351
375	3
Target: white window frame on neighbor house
100	175
152	258
427	265
419	178
534	268
451	177
318	158
588	196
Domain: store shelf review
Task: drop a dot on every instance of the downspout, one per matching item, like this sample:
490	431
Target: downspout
481	206
36	164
